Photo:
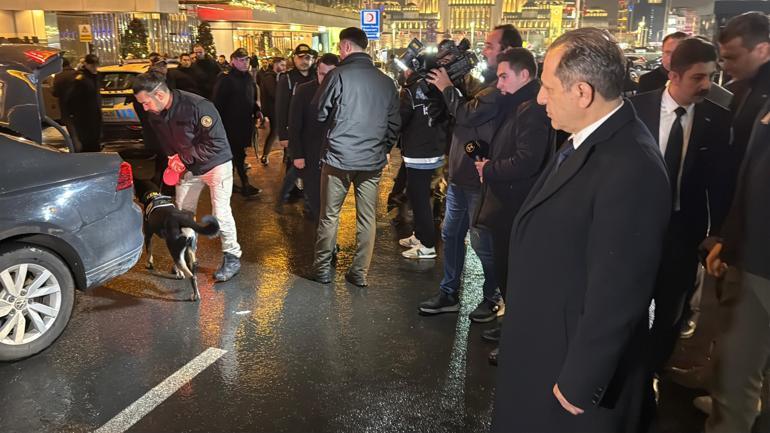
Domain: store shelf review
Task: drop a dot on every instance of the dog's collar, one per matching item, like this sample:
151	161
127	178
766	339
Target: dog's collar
157	201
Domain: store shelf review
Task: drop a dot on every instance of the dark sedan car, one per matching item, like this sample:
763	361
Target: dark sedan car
68	220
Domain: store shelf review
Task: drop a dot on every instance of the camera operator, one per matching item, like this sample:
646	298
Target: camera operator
474	109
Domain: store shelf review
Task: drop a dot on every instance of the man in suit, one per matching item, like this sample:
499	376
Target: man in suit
584	250
693	135
658	77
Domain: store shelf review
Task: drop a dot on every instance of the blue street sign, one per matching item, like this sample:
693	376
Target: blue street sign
370	23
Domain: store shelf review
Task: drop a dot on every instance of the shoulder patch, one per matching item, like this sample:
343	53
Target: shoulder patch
207	121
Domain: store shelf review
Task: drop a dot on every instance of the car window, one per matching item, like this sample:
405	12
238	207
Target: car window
117	80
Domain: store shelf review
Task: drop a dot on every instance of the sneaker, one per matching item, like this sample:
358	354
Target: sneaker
420	252
410	242
487	311
441	303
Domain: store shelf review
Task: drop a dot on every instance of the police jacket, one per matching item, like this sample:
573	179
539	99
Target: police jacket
424	124
474	113
235	96
191	127
361	105
306	132
286	84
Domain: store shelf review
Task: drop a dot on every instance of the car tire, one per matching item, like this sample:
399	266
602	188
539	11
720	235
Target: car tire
45	310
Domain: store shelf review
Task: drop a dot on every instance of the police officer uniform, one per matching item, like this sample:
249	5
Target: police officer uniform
191	127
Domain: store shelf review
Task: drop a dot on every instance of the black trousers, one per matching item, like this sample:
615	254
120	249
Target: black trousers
500	246
674	286
419	193
239	161
311	177
269	140
399	183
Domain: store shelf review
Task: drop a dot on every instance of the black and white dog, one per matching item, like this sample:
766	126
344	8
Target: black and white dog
180	231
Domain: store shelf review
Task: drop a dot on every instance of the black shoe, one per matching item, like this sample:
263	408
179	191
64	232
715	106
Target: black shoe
491	335
441	303
356	281
263	160
249	191
323	278
487	311
493	356
231	265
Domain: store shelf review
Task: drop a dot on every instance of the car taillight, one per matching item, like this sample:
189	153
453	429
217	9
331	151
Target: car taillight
125	177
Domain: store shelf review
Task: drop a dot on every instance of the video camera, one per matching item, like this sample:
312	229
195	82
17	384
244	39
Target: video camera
457	59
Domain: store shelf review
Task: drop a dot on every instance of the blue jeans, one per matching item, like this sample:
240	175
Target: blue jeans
461	204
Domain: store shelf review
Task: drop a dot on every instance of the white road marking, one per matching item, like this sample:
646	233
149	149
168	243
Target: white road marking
154	397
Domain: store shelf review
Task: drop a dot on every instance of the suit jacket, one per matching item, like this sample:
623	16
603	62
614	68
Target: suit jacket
707	173
518	153
653	80
584	251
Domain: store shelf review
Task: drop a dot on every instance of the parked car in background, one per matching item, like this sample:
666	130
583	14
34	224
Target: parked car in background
69	220
119	120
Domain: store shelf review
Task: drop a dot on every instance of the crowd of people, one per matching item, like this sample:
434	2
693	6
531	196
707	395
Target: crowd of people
583	206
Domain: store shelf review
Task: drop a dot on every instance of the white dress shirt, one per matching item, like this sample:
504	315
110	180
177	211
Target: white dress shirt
579	137
667	117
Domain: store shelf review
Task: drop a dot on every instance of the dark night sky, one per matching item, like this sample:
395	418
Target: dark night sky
701	6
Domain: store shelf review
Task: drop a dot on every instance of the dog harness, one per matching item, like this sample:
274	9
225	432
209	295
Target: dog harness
157	201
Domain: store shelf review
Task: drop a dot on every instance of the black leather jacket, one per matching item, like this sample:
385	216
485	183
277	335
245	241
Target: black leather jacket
360	104
192	128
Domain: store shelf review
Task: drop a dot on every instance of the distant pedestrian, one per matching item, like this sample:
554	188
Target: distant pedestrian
83	105
235	96
205	70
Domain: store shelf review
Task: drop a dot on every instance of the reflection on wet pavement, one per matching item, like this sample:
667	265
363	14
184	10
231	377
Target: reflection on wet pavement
300	356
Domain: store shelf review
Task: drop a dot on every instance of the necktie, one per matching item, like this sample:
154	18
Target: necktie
568	150
673	156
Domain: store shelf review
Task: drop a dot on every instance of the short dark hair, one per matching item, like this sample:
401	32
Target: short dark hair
753	27
148	82
198	45
691	51
356	36
184	54
329	59
591	55
519	59
91	59
65	62
676	35
511	38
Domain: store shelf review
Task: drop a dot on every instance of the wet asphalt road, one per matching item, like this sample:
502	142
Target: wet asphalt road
301	357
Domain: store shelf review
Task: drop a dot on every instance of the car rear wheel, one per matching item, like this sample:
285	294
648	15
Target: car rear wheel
37	293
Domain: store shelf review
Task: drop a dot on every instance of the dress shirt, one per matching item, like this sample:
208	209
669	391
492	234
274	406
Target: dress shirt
667	118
